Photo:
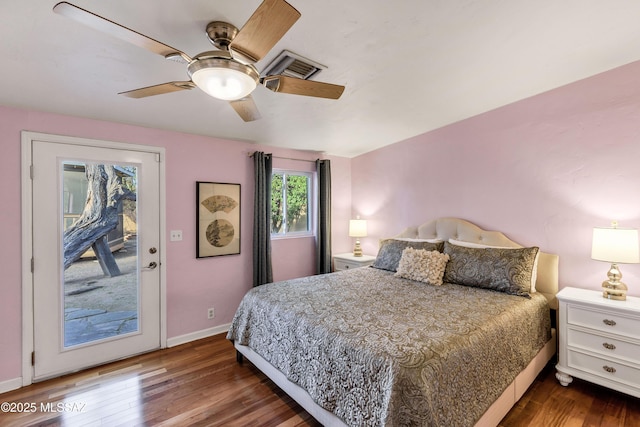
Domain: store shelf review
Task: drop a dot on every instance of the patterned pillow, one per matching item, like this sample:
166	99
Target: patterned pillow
504	270
534	276
391	251
422	265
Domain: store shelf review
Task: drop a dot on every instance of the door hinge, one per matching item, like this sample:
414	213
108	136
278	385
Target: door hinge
158	157
32	264
33	358
31	171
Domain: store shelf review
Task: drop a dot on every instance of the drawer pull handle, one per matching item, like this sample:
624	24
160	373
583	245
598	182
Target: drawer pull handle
609	369
608	346
609	322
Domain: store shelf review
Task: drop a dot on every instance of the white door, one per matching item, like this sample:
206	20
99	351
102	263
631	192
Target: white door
105	305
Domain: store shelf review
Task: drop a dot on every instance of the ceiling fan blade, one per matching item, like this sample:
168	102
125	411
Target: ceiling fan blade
271	20
99	23
246	108
158	89
296	86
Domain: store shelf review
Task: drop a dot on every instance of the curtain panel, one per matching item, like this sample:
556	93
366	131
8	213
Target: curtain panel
262	272
323	234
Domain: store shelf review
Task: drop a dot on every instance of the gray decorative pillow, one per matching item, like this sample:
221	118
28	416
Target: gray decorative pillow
422	265
391	251
504	270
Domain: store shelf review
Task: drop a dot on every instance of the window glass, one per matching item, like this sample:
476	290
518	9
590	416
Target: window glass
290	203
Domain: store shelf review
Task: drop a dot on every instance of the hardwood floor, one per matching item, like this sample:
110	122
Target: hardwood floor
201	384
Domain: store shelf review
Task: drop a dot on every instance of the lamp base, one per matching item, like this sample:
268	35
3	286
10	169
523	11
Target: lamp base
357	250
614	290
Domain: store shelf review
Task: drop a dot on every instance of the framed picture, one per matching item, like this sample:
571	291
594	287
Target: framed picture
218	219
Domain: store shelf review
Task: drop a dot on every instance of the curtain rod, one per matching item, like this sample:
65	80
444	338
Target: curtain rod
285	158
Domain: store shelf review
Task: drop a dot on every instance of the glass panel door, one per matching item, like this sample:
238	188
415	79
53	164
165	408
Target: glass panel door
96	254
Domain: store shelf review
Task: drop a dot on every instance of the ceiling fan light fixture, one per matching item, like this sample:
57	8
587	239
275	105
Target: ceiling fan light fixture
223	78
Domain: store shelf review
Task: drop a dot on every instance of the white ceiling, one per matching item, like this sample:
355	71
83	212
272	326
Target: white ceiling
409	66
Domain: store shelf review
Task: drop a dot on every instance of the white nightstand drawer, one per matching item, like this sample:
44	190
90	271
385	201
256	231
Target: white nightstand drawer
605	345
349	262
608	322
340	264
604	368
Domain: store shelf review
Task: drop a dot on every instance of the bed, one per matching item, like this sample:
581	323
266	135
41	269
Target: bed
374	346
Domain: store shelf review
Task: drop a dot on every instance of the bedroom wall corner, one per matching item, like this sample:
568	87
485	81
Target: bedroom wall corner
341	200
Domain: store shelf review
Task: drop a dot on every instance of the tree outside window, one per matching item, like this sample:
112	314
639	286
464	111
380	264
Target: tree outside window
290	203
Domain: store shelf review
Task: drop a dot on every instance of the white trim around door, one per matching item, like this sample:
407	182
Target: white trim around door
27	139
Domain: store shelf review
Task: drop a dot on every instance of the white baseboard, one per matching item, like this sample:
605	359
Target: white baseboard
205	333
9	385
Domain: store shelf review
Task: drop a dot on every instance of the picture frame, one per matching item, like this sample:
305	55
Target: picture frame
217	219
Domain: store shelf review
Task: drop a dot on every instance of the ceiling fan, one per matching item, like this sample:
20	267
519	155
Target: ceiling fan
228	73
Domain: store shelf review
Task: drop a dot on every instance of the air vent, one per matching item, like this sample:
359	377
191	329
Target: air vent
292	65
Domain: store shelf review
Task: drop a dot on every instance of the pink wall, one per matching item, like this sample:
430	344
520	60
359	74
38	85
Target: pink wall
545	171
193	284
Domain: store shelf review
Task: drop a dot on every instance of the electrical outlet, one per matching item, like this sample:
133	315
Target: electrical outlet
211	313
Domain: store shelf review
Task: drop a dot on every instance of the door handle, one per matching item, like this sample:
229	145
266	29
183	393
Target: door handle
151	265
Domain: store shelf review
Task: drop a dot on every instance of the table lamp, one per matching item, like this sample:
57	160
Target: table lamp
617	246
357	228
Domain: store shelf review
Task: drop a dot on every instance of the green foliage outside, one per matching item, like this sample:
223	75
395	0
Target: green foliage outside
130	182
290	197
277	207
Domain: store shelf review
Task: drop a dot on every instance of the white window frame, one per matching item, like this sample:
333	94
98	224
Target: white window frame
311	194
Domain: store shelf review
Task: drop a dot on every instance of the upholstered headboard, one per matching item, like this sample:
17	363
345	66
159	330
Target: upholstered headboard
459	229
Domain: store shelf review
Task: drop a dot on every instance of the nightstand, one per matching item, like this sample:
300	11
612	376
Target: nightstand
599	340
348	261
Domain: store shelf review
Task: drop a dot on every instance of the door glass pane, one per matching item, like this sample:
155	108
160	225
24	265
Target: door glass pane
100	251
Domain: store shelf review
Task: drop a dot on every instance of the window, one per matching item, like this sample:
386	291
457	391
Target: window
291	206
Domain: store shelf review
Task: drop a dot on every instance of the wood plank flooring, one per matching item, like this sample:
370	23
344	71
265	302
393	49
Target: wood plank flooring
200	384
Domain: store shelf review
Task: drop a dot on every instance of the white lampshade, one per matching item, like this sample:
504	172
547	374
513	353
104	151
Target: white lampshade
616	245
358	228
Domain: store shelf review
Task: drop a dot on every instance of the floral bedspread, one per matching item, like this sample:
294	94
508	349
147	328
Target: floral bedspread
377	350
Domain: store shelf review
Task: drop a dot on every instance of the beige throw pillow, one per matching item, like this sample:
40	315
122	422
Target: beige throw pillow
422	265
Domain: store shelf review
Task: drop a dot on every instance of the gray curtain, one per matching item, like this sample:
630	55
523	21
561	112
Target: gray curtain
262	272
323	240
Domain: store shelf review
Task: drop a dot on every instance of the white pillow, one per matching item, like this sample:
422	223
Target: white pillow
534	276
